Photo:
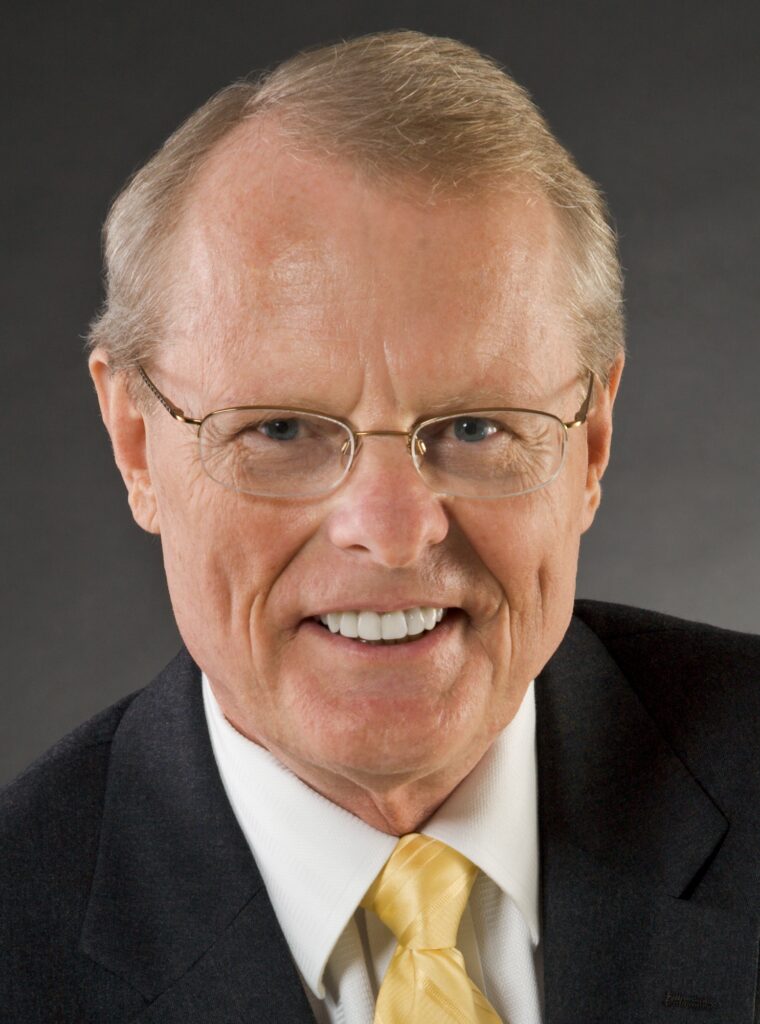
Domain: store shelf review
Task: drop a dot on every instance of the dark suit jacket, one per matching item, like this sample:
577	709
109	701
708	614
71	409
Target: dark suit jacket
129	894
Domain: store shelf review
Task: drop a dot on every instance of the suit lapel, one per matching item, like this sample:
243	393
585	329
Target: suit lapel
626	832
247	977
177	906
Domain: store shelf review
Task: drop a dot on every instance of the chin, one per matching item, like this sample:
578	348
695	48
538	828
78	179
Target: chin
391	746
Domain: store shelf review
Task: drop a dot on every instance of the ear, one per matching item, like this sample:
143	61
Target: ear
125	424
599	438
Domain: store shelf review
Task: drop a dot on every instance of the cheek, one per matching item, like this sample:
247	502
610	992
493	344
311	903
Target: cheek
530	544
517	537
224	554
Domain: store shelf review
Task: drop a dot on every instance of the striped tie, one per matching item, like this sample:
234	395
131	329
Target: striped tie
420	895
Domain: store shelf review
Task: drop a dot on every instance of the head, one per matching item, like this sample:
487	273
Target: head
379	231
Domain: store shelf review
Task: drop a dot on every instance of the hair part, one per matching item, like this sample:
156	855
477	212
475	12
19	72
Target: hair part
406	109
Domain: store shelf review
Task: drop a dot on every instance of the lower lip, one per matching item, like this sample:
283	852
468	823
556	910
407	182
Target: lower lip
421	647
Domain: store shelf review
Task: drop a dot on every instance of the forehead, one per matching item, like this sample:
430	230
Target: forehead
293	269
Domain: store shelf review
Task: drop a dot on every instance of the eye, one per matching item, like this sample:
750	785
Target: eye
279	429
473	428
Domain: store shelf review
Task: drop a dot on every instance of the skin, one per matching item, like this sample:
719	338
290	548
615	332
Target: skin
300	283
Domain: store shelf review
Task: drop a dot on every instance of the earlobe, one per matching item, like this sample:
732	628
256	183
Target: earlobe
125	424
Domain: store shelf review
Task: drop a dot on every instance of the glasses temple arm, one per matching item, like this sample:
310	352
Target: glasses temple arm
171	408
582	414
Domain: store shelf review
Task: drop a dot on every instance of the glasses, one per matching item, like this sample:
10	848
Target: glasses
297	453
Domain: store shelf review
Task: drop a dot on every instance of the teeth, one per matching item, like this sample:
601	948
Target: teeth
349	624
370	626
388	626
414	622
393	626
429	617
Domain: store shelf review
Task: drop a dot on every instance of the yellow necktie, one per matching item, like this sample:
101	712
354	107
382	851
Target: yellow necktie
420	895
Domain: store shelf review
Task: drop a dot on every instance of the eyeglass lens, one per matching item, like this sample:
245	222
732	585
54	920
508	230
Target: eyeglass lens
280	453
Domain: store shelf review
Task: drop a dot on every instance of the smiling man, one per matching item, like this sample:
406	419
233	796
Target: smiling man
358	358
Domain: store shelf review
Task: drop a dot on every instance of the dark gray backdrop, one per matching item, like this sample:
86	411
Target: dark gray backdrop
658	101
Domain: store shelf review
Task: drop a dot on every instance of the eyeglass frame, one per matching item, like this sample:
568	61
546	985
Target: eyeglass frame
356	435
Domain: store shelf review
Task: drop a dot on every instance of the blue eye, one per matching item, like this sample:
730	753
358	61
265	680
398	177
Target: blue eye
280	430
473	428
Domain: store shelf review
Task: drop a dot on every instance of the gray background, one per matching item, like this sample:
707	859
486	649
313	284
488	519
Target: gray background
658	101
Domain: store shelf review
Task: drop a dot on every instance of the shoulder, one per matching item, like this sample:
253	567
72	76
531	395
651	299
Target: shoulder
654	639
622	619
49	815
63	786
700	683
49	827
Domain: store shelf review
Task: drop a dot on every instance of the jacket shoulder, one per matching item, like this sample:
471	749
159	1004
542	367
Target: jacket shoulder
652	644
662	653
617	621
700	683
73	759
50	818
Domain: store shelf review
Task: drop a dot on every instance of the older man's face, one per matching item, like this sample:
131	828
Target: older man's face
298	284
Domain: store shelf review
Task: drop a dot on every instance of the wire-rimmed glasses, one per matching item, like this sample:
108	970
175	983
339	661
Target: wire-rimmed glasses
300	453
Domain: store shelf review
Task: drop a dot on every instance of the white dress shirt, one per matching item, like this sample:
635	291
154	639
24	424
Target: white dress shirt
317	860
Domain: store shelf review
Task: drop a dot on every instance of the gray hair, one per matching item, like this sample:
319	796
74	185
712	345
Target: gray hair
403	107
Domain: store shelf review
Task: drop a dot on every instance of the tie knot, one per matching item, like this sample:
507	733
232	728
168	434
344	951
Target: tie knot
421	892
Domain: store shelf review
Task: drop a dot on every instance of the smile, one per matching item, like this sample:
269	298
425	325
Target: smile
383	627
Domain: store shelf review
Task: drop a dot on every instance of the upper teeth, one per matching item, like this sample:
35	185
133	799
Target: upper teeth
386	626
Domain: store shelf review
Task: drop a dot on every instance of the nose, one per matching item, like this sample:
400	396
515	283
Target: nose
383	511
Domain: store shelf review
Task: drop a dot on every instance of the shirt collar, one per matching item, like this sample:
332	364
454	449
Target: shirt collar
317	860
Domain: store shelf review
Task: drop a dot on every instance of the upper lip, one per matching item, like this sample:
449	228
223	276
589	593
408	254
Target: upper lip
381	607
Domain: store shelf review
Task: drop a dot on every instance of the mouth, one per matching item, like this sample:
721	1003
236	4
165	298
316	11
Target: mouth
384	629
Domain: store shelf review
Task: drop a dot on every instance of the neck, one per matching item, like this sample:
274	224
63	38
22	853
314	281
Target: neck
396	808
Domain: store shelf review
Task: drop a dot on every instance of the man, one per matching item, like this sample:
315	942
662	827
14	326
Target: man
358	358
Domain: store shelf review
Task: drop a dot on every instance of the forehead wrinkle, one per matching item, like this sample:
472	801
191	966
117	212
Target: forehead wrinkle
498	305
484	355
